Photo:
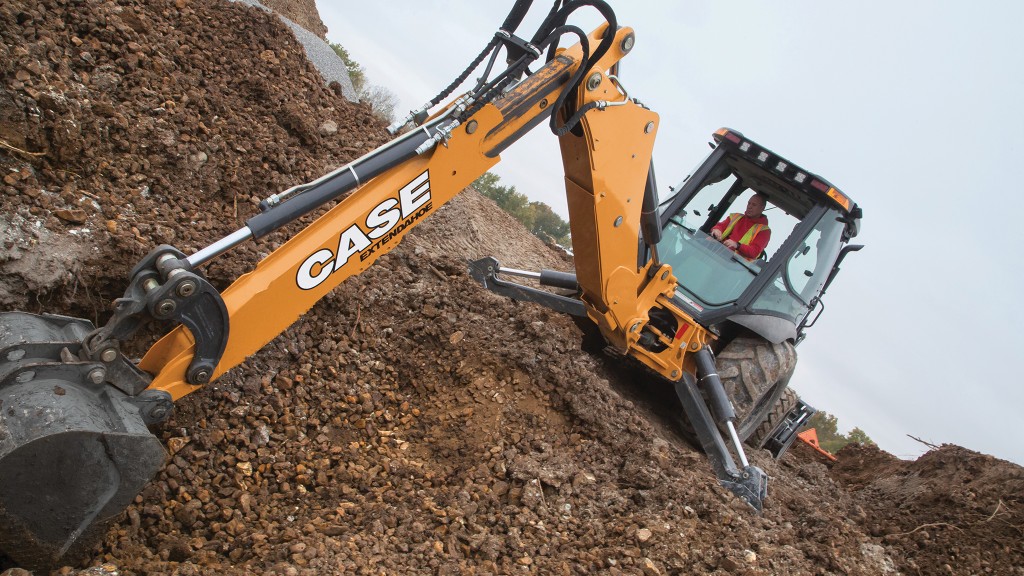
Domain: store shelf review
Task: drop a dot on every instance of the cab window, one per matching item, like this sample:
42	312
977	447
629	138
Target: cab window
794	286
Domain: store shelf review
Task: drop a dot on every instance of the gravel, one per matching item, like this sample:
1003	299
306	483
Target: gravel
319	53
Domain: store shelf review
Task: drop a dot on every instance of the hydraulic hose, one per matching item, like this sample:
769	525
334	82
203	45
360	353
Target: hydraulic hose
516	15
560	18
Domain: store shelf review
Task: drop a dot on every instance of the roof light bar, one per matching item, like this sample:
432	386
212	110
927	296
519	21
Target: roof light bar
839	197
725	133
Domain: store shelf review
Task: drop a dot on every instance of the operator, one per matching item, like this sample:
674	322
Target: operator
747	233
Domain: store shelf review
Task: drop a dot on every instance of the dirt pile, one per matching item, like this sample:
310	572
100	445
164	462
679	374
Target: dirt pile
951	511
411	422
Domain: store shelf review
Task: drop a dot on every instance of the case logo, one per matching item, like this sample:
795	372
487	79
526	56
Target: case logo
387	220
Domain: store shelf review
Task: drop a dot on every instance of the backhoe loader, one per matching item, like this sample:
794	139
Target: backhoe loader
75	411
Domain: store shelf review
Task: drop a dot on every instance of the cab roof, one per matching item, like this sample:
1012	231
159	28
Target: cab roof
787	185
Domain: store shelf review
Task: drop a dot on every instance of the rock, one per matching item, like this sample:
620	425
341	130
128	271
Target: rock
729	564
176	444
649	567
583	479
75	216
643	535
533	495
328	128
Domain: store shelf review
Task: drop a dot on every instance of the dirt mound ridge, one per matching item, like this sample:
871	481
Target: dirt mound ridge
951	507
411	422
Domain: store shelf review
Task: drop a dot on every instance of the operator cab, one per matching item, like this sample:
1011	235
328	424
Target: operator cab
810	222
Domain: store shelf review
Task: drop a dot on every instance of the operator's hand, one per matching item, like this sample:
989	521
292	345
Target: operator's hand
731	244
716	234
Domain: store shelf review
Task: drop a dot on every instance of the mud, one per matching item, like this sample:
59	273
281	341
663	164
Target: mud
411	422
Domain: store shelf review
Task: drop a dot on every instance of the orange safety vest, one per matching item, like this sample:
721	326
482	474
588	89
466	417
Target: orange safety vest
752	232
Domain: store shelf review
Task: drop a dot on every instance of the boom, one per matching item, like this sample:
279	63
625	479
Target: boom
373	219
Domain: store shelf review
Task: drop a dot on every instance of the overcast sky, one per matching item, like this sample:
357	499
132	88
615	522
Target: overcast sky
915	109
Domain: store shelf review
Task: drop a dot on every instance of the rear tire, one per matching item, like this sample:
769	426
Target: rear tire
755	374
785	403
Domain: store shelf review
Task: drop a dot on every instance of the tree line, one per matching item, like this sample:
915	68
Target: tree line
381	100
829	438
538	217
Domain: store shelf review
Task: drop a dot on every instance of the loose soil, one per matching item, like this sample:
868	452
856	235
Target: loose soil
411	422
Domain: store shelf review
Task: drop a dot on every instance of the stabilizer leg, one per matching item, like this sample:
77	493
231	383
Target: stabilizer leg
750	483
486	270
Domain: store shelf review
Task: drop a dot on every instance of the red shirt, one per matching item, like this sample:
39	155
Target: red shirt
757	243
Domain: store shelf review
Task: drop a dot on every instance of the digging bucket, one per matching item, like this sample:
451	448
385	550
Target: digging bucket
74	450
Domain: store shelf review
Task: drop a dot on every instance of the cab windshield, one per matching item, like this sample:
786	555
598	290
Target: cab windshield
704	266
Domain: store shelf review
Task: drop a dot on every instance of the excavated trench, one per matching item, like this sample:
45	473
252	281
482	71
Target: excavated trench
411	422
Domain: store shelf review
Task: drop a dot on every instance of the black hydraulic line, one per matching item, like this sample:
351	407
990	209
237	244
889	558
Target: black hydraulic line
493	45
589	60
549	23
573	120
574	80
562	16
487	71
516	15
511	23
494	88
